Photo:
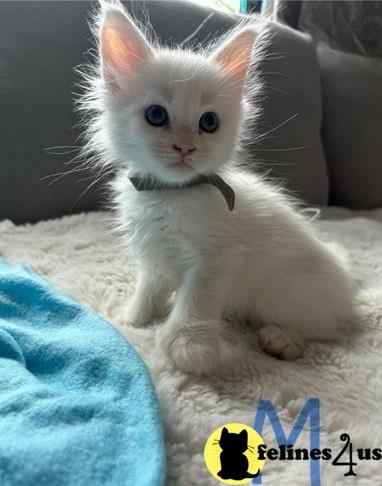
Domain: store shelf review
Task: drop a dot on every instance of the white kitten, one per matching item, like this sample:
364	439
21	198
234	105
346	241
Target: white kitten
168	116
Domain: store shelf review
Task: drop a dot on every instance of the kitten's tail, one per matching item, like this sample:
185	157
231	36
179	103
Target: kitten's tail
253	475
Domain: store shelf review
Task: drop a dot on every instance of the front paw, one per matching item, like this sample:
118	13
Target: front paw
193	348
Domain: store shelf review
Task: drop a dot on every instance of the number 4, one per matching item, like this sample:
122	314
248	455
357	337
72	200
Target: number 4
346	438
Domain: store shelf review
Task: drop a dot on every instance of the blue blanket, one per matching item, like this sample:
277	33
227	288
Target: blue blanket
77	406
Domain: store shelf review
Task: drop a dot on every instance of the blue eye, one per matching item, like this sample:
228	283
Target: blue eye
156	115
209	122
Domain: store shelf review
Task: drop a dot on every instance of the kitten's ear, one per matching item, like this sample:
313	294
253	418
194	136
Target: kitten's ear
122	45
244	436
234	55
224	432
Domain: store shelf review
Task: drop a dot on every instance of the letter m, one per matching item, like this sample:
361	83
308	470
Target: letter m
311	410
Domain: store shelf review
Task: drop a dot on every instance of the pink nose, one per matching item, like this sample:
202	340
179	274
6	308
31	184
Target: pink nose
184	150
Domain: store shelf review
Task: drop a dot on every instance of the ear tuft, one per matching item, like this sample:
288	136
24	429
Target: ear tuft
122	46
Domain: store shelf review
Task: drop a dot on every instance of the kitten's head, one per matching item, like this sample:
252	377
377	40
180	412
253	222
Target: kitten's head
170	113
231	442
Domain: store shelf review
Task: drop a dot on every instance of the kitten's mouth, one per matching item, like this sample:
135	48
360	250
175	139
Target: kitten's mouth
181	164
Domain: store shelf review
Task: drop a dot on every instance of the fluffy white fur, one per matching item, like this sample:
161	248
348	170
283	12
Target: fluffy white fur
261	262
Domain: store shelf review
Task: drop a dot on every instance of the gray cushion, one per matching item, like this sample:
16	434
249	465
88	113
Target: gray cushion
293	152
41	43
352	129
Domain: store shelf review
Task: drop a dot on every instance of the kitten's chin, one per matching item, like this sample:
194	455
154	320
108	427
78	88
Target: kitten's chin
177	173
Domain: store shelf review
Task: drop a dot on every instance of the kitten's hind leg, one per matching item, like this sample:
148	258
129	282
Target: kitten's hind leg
282	344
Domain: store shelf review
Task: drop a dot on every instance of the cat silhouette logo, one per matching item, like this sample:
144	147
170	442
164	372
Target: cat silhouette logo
231	454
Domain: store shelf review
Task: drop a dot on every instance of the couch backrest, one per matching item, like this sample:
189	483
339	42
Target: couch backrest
352	128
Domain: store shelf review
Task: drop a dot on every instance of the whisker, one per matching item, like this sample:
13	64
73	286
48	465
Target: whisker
58	149
284	149
102	176
84	179
279	126
278	163
197	29
62	174
280	91
283	75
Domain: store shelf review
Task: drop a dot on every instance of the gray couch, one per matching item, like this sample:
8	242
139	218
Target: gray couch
42	42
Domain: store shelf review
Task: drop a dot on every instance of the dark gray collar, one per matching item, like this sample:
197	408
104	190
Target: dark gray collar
150	183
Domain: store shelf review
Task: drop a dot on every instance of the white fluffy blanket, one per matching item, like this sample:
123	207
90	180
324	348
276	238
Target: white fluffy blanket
81	257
